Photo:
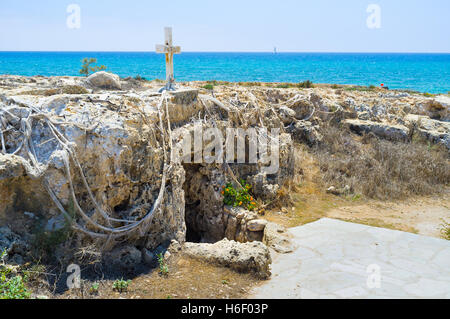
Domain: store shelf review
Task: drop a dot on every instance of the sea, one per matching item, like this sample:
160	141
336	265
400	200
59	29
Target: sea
421	72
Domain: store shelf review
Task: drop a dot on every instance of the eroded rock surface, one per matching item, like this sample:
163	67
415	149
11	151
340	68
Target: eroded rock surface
244	257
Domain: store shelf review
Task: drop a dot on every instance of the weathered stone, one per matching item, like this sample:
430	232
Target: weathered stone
104	80
148	257
125	258
387	131
435	131
305	132
277	238
256	225
249	257
287	115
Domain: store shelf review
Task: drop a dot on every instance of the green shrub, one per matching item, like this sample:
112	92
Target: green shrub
11	287
94	288
163	268
208	87
140	78
86	68
446	231
121	285
238	197
305	85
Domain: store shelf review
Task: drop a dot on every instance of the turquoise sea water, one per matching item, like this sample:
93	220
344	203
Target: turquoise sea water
421	72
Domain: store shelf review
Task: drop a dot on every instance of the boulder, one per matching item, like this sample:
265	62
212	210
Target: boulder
104	80
243	257
287	115
439	108
125	258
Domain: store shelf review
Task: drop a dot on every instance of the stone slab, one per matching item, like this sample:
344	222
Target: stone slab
337	259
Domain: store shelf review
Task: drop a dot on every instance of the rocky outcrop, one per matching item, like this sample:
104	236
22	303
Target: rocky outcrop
437	132
242	257
383	130
305	132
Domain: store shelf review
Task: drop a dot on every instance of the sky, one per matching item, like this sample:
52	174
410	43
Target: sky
227	25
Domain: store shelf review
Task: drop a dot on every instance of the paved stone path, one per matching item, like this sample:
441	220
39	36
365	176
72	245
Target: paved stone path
336	259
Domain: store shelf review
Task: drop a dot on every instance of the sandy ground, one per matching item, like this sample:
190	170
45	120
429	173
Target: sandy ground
424	216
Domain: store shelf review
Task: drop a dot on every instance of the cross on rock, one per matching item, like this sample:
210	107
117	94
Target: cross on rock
169	50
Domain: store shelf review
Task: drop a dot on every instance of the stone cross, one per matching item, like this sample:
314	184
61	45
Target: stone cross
169	50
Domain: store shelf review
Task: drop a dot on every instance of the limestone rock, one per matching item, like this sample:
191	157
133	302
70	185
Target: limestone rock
104	80
387	131
287	115
125	258
278	238
249	257
256	225
305	132
437	132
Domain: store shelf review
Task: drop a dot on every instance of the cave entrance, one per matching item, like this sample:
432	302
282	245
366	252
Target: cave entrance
203	204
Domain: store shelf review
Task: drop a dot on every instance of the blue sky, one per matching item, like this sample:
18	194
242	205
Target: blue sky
228	25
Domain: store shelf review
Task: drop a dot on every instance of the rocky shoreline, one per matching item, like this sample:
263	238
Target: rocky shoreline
116	130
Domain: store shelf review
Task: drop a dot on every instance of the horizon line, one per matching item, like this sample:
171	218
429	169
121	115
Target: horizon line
278	52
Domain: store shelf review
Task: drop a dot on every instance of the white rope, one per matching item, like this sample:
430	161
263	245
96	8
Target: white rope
37	170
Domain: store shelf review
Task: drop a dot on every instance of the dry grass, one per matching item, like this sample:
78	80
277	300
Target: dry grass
68	89
187	279
381	169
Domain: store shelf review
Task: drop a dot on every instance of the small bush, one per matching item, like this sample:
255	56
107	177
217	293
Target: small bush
163	268
94	288
208	87
121	285
305	85
87	67
140	78
239	197
11	287
446	231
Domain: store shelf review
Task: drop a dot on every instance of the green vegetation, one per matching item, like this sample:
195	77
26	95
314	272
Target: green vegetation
306	85
88	67
45	242
208	87
301	85
163	268
140	78
11	287
94	288
239	197
121	285
446	231
360	88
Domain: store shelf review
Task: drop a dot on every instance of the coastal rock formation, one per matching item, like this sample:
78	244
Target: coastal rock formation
100	159
74	155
